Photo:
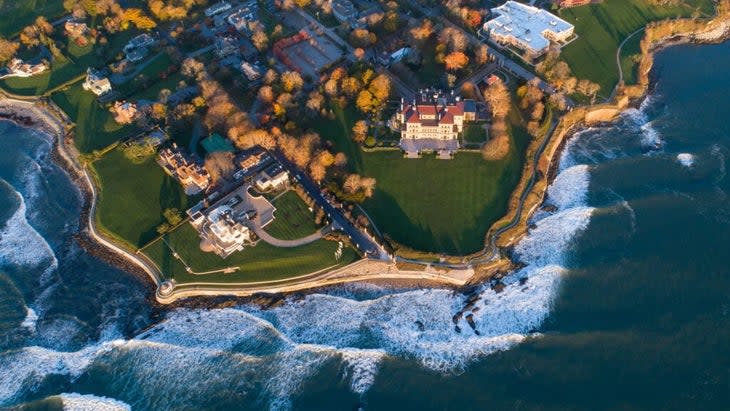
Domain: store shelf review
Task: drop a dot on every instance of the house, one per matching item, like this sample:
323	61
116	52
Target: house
191	175
19	68
226	226
240	18
251	71
142	40
137	48
272	178
96	82
343	10
217	8
222	228
433	122
529	29
75	29
135	55
225	46
399	54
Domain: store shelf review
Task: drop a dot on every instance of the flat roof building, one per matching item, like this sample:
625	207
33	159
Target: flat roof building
528	28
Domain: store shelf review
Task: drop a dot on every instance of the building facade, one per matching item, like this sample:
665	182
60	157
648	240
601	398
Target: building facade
433	121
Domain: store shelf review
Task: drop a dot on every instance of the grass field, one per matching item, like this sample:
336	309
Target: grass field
133	196
260	263
95	125
19	13
429	204
293	218
602	27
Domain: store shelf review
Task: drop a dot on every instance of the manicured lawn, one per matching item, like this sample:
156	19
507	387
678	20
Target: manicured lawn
601	28
475	133
20	13
133	197
95	125
429	204
260	263
292	218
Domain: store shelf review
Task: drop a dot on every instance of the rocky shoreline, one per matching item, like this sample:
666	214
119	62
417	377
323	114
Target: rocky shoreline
29	115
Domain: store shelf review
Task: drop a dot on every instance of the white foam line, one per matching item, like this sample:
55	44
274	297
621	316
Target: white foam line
361	368
570	187
88	402
20	244
31	319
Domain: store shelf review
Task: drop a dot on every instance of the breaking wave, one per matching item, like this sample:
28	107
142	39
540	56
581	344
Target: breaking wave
686	159
650	137
87	402
21	245
570	187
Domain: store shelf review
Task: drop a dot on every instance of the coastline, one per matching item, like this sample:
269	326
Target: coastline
527	197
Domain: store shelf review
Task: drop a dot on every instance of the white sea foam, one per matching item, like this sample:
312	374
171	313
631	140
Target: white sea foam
88	402
24	369
570	187
361	367
686	159
31	319
650	136
547	243
21	245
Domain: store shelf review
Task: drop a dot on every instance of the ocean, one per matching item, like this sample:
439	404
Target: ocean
622	302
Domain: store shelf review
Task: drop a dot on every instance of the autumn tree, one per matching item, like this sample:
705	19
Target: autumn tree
422	32
260	40
360	131
456	60
219	165
8	49
291	80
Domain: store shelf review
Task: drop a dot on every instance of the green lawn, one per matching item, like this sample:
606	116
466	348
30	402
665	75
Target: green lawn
292	218
20	13
429	204
601	28
133	197
260	263
475	133
95	125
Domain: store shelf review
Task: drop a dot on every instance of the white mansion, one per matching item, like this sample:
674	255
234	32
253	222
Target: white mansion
433	122
530	29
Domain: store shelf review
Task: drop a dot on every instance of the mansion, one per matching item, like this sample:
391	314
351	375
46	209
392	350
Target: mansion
433	122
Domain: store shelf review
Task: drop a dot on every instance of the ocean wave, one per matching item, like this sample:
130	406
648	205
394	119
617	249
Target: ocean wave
547	243
21	245
31	319
361	367
25	369
570	187
686	159
650	137
88	402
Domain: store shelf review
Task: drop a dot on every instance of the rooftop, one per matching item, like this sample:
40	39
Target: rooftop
526	23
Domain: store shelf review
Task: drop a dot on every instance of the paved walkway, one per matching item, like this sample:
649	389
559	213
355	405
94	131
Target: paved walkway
269	239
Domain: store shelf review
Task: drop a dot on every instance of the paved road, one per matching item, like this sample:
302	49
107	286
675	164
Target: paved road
361	240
